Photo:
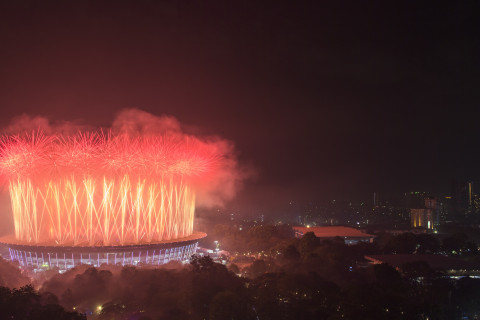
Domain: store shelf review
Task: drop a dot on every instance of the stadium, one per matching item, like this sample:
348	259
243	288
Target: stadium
95	198
38	257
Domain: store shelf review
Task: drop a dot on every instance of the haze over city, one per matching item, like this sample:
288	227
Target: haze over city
322	100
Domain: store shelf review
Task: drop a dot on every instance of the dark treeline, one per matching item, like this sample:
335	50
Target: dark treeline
26	303
19	300
270	239
299	279
254	239
207	290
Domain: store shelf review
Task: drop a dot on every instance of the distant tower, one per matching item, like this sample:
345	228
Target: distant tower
424	217
470	190
462	198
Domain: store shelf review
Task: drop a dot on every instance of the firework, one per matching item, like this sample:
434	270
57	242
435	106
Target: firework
98	188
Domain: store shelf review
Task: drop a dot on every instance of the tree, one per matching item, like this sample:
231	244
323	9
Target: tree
26	303
230	305
427	243
417	269
10	275
202	264
386	275
234	268
467	295
455	243
67	299
403	243
291	253
308	243
256	269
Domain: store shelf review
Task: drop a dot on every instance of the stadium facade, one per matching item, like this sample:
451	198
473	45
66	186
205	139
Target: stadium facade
42	257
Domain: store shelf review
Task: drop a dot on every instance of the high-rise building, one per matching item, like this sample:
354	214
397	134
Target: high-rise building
462	199
415	199
424	217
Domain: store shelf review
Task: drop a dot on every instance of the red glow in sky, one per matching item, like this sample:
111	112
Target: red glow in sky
125	186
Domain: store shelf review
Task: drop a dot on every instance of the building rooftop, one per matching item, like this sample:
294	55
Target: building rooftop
333	231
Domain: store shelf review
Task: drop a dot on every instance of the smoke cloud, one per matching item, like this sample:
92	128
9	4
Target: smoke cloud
138	122
26	124
214	189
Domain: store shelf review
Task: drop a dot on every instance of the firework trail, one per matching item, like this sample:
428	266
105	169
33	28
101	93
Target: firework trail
107	188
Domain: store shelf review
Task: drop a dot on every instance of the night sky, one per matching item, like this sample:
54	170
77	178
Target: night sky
323	99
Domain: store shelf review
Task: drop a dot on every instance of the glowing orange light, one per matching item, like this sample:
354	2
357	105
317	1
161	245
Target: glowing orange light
103	189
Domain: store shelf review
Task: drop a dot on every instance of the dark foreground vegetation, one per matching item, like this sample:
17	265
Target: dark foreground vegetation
26	303
299	279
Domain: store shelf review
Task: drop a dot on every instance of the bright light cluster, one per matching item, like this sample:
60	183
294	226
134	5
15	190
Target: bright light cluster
104	189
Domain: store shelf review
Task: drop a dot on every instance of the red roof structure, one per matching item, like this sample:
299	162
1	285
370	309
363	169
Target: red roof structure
329	232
